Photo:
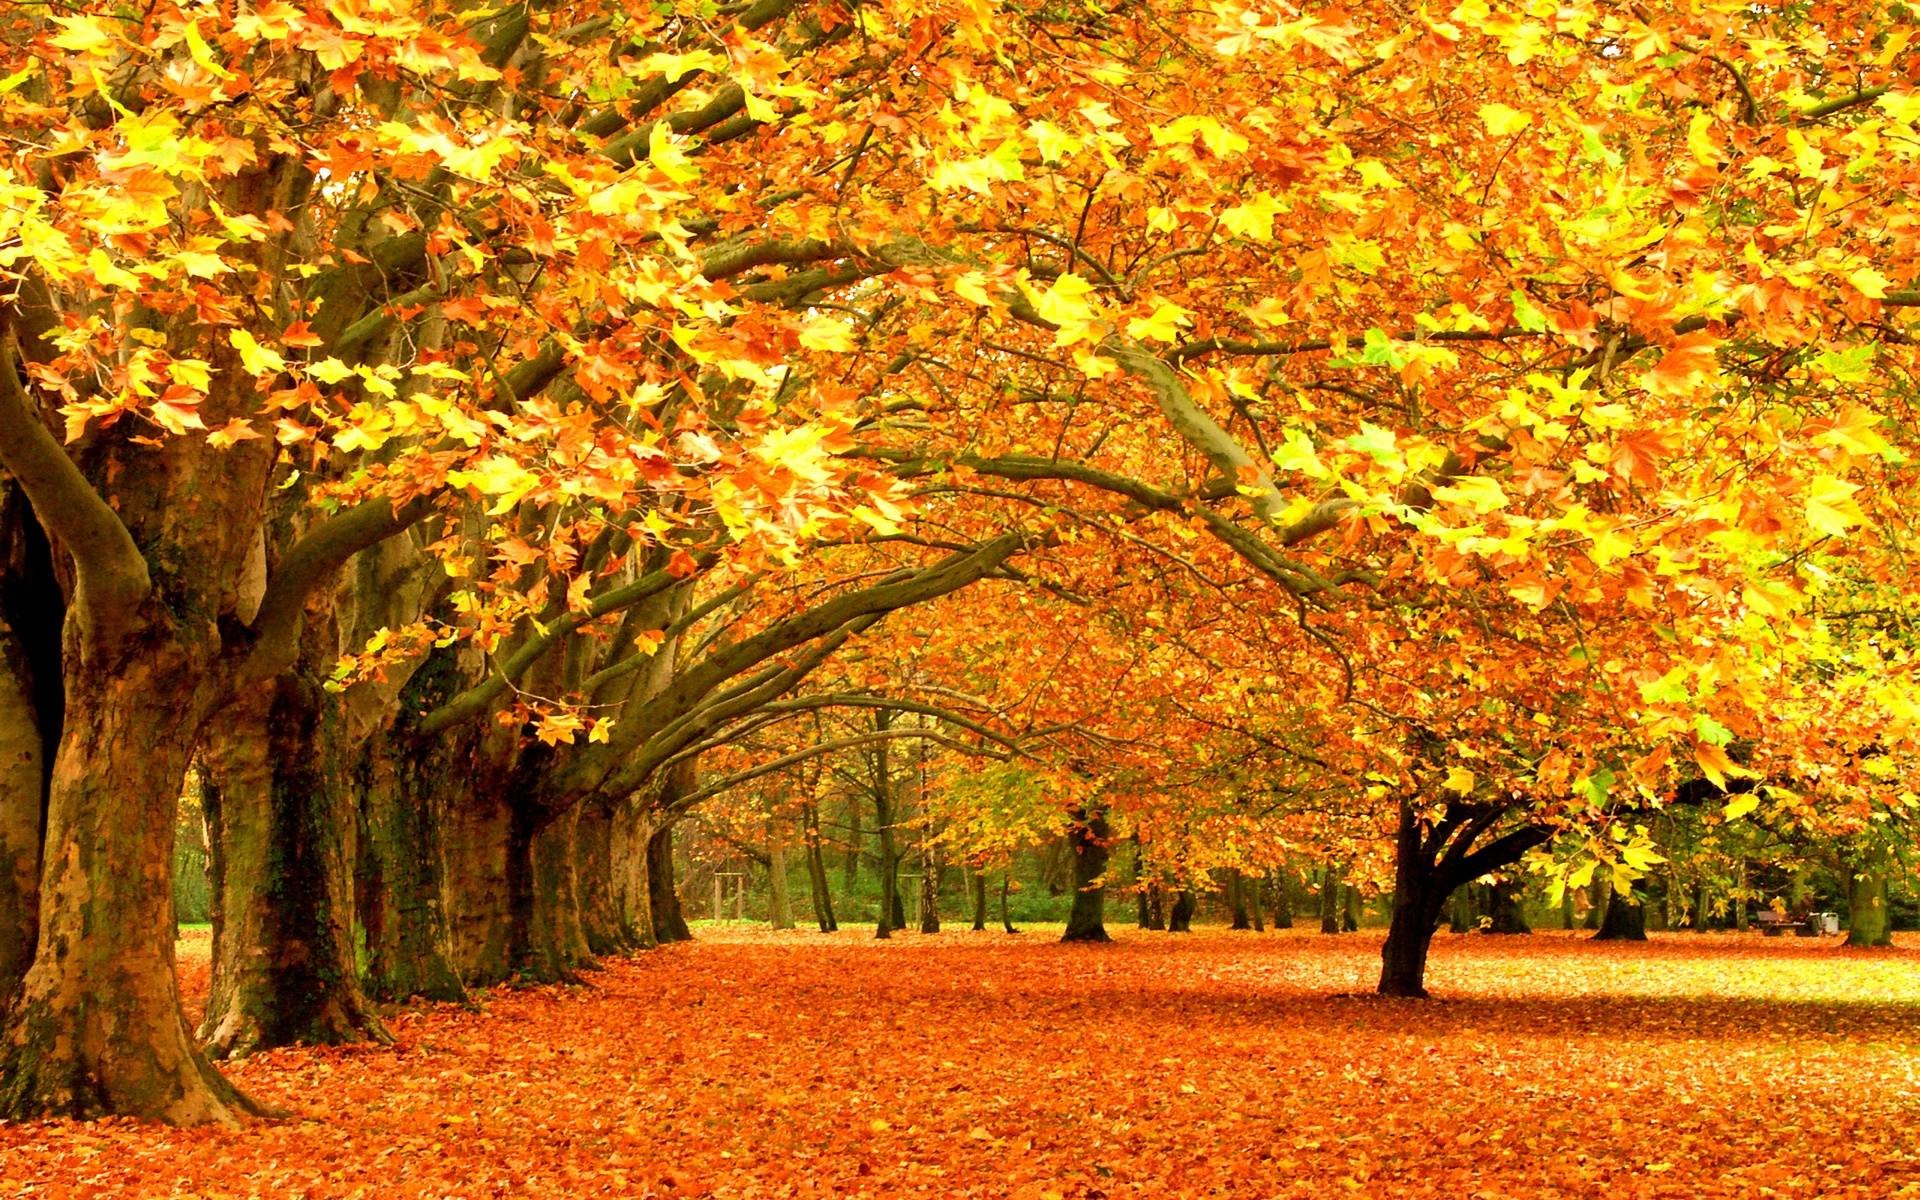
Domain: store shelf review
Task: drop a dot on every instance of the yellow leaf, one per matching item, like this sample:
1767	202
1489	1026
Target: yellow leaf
1476	491
329	370
1741	805
663	151
1162	326
1870	283
1460	780
826	333
107	274
1065	303
1254	219
255	358
1831	508
82	35
1053	142
1501	120
203	53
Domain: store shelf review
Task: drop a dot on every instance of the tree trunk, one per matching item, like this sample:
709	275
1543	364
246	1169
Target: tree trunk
817	872
1156	907
1006	910
856	846
1089	835
548	937
606	928
1253	888
1330	900
632	829
97	1029
282	820
780	910
891	916
1869	921
1282	901
1237	900
1625	921
1180	914
22	776
404	795
1504	909
1460	914
669	923
1349	909
977	878
1701	917
929	894
1418	899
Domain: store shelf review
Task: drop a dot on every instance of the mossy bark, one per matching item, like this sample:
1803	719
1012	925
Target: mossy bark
1869	920
282	822
96	1028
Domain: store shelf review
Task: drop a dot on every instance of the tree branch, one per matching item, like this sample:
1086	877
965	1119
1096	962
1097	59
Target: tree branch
113	579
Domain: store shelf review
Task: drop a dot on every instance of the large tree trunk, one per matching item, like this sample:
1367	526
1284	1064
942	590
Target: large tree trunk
669	923
97	1029
22	775
1086	922
817	872
632	830
1156	907
549	940
1869	921
977	879
397	881
283	826
1419	896
1625	921
607	929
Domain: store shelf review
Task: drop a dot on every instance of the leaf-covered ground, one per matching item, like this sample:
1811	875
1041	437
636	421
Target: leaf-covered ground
1230	1065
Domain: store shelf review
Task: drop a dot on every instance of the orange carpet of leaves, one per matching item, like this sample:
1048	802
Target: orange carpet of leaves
1229	1065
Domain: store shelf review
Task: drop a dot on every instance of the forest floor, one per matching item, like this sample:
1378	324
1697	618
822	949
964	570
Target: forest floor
980	1065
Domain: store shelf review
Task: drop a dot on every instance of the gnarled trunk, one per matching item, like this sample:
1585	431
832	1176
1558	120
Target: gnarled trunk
282	822
1419	895
96	1028
632	830
1089	837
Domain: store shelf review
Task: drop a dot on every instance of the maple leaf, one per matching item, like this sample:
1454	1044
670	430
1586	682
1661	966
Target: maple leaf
1831	509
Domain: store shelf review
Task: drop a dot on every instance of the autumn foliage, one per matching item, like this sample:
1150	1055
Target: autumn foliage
1391	450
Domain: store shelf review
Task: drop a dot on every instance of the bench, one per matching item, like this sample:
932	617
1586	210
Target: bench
1773	924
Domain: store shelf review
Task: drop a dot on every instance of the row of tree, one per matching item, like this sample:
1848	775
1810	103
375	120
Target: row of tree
474	439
